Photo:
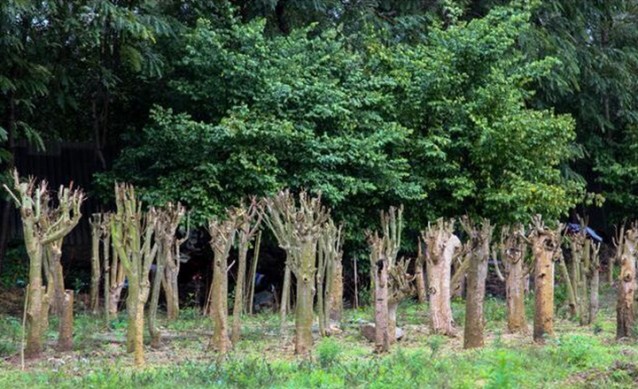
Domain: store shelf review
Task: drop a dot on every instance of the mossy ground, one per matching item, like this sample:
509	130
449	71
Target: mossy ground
578	356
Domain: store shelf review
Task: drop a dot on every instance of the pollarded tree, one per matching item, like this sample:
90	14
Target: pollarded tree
480	236
133	234
391	280
168	219
625	306
298	227
222	233
512	248
330	274
248	222
440	247
45	225
546	249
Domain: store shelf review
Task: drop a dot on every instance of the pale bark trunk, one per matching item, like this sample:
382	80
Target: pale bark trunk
544	292
219	314
515	290
439	273
65	340
304	316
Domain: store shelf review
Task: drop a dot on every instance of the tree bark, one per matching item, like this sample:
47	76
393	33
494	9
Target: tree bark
476	276
440	247
420	280
253	274
627	286
515	290
65	340
239	289
381	311
285	297
545	248
95	263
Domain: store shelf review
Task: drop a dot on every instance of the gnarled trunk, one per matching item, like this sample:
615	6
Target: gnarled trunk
545	247
441	245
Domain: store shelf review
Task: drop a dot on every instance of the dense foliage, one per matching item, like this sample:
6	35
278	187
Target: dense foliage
495	108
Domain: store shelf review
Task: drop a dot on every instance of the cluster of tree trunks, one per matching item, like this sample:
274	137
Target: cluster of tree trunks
45	225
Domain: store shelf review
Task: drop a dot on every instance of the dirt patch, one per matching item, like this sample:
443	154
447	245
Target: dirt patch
624	372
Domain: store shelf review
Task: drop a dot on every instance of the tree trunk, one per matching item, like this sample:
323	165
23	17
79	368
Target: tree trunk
152	309
138	331
336	292
627	287
95	269
593	297
171	289
65	339
285	297
476	276
304	316
420	281
106	249
515	290
253	274
381	312
543	291
441	245
571	293
239	289
220	341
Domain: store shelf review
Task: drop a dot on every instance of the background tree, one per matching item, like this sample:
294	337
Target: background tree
222	234
45	225
132	234
298	227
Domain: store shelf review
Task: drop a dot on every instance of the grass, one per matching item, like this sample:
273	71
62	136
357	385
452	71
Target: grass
578	356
